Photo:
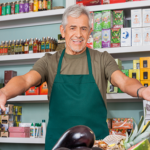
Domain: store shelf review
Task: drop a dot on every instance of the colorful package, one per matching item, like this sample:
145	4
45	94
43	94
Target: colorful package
137	37
115	37
19	129
98	20
44	89
19	134
89	43
117	1
106	38
125	37
32	91
17	110
122	123
146	36
118	18
136	64
88	2
106	2
144	62
97	39
107	19
117	132
146	17
134	73
145	74
145	83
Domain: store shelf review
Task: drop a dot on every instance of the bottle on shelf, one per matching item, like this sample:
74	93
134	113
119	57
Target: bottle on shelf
40	6
16	47
20	47
2	47
39	45
47	45
26	6
17	7
43	129
32	131
44	4
12	7
8	8
22	43
49	4
9	47
52	44
31	5
5	49
3	9
0	9
35	5
35	45
31	46
26	46
43	45
12	47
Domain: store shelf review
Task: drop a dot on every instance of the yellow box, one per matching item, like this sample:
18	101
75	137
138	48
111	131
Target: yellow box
144	62
145	74
17	110
111	88
134	73
136	64
145	83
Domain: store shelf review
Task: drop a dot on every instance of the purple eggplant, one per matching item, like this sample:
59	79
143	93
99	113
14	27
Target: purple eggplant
78	136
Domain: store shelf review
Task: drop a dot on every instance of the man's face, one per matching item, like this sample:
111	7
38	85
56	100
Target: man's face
76	33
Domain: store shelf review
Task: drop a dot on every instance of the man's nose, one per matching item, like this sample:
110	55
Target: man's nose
78	33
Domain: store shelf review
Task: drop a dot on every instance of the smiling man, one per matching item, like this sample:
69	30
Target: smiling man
77	80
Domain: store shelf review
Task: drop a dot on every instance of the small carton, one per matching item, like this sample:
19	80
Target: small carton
17	110
44	89
89	43
136	18
106	38
32	91
145	74
109	123
107	19
97	39
98	20
144	62
146	36
115	37
119	63
111	88
17	118
118	16
122	123
9	109
4	127
136	64
145	83
4	134
125	37
146	17
7	118
117	132
134	73
137	37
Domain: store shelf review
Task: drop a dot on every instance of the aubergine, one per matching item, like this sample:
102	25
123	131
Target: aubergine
78	136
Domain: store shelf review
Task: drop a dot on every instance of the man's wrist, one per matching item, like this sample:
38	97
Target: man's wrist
140	91
4	92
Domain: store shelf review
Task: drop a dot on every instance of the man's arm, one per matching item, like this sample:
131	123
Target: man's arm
129	85
18	85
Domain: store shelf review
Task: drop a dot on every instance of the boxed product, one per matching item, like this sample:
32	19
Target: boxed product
19	129
137	37
136	64
118	16
145	83
97	39
106	38
115	37
88	2
117	132
122	123
92	16
25	134
9	109
117	1
144	62
107	19
119	63
17	110
109	123
106	2
32	91
111	88
125	37
146	107
136	18
134	73
146	17
146	36
4	127
98	20
4	134
8	75
145	74
17	118
89	43
7	118
44	89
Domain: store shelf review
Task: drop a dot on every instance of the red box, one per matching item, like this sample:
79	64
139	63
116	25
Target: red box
44	89
117	1
89	2
32	91
19	129
19	134
117	132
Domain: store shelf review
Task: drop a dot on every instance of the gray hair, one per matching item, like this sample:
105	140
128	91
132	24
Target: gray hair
76	11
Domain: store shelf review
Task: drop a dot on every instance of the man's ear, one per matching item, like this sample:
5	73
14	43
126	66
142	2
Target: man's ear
90	32
62	31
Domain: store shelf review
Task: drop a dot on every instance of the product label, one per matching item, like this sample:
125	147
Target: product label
26	48
98	21
42	46
36	6
47	46
21	8
8	9
115	35
20	48
26	7
44	4
40	5
106	38
16	49
42	131
106	19
30	47
12	9
16	8
30	7
49	5
5	50
97	39
31	132
35	47
3	11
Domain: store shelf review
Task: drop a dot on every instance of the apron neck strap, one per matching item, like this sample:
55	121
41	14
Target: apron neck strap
88	60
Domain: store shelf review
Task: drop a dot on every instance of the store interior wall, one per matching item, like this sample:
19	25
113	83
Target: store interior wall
35	112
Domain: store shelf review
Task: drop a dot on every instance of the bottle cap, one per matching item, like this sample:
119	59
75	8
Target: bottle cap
32	124
43	120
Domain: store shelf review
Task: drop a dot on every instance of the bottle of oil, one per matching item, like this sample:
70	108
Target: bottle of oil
9	47
20	46
12	47
40	5
43	45
47	45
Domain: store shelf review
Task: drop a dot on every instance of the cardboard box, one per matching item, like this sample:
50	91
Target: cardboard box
146	17
136	18
89	2
145	83
7	118
145	74
19	129
98	21
109	123
118	16
117	132
107	19
115	37
89	43
4	134
134	73
137	37
119	63
136	64
126	37
32	91
122	123
106	38
111	88
19	134
44	89
9	109
146	36
97	39
144	62
17	110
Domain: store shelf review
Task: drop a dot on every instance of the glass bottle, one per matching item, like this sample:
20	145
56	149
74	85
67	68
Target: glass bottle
35	45
8	8
50	44
3	9
26	6
21	6
16	47
31	46
40	6
20	47
0	50
31	5
12	7
2	47
39	43
49	4
17	7
26	46
47	45
43	45
12	47
35	5
5	50
23	41
44	4
9	47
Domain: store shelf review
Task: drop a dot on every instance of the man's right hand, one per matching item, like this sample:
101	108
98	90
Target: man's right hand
2	100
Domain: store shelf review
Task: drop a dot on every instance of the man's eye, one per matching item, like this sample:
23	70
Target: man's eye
72	28
83	28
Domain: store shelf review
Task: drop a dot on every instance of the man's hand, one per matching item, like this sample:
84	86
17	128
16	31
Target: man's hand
2	100
145	93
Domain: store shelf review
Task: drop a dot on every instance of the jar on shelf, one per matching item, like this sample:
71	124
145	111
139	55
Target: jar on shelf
9	47
43	45
17	7
8	8
21	6
26	46
40	5
5	50
44	4
20	46
47	49
26	6
12	47
31	46
12	7
49	4
35	5
35	45
1	47
0	9
31	5
39	43
16	47
3	9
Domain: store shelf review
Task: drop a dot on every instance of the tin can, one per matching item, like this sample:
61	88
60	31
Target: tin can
12	7
0	9
31	5
17	7
26	6
3	9
21	6
8	9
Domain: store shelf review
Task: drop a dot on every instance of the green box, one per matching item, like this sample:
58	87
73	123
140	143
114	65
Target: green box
98	20
118	16
119	63
111	88
97	39
115	37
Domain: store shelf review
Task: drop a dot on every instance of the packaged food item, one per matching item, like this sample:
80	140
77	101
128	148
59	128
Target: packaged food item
32	91
44	4
117	1
117	132
5	119
144	62
125	37
88	2
31	5
0	9
137	38
111	88
3	9
106	35
25	134
109	123
5	48
118	16
122	123
26	6
26	46
145	74
47	49
16	47
49	4
97	39
98	20
9	47
134	73
35	45
17	7
4	134
17	110
44	89
146	36
12	7
136	64
35	5
19	129
107	19
145	83
89	43
136	18
146	17
115	37
43	45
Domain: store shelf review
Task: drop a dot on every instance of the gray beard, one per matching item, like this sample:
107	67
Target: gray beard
77	51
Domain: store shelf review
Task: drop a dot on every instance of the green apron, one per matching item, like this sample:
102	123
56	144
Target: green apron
75	100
